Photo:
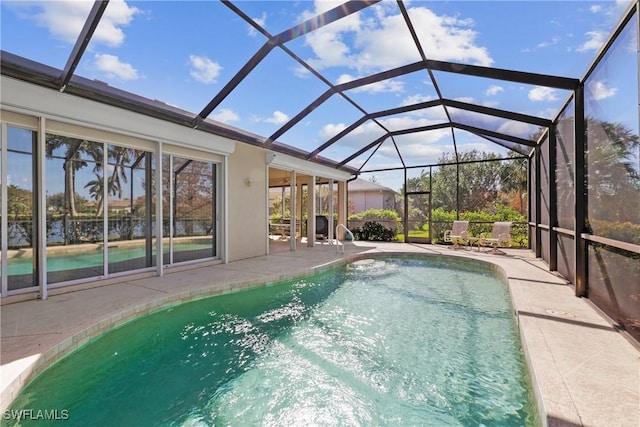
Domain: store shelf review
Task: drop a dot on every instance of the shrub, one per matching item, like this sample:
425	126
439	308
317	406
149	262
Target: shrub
387	218
375	215
374	231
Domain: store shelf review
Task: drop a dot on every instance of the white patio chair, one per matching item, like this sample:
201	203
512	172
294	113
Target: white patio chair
500	236
458	234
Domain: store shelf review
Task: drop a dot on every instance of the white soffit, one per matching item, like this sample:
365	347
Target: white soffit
286	162
38	100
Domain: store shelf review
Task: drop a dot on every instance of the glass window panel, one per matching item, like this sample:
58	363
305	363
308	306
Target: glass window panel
128	176
21	218
613	141
565	164
167	182
194	210
75	209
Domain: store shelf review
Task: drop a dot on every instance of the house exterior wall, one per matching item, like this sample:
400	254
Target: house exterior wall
236	174
365	200
247	219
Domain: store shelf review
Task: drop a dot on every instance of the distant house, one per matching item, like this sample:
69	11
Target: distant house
364	195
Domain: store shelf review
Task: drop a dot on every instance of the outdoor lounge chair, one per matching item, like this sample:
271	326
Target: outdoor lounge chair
500	236
458	234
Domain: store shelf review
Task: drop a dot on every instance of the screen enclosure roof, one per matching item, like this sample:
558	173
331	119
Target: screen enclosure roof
356	85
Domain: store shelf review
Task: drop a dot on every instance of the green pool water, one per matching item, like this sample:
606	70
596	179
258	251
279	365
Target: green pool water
395	342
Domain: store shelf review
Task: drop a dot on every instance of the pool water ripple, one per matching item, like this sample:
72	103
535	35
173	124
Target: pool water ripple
400	341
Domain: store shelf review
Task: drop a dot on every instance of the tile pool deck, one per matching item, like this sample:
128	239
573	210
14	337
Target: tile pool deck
585	372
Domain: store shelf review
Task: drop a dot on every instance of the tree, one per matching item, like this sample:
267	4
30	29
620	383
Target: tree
513	181
478	178
73	161
96	188
613	172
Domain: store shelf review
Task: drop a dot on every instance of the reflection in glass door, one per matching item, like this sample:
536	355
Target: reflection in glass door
189	209
75	208
130	213
21	232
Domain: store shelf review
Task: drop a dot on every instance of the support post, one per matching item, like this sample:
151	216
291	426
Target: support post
580	173
311	210
553	201
538	206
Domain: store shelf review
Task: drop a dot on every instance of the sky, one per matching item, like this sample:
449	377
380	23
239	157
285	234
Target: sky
183	53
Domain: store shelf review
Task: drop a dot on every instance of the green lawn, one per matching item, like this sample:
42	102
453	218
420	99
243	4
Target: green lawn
412	233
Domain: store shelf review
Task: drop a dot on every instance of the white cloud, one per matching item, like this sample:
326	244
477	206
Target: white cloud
448	38
262	21
554	40
541	93
598	90
203	69
467	99
385	42
117	14
113	68
494	90
595	40
225	115
65	19
368	132
523	130
330	130
595	8
416	99
410	122
277	118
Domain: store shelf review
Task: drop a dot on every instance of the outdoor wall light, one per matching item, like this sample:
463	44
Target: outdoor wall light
248	182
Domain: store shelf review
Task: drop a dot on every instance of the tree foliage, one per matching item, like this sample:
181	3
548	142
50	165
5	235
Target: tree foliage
484	182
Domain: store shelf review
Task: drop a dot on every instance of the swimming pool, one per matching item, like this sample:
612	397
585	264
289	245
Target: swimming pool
394	341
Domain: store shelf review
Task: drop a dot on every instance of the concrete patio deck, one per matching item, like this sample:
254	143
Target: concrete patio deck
585	372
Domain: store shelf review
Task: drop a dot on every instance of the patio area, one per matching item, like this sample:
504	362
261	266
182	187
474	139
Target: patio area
585	372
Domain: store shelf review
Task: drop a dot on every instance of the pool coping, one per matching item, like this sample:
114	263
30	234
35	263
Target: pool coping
588	380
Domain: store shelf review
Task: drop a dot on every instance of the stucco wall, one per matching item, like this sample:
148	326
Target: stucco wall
363	201
247	213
